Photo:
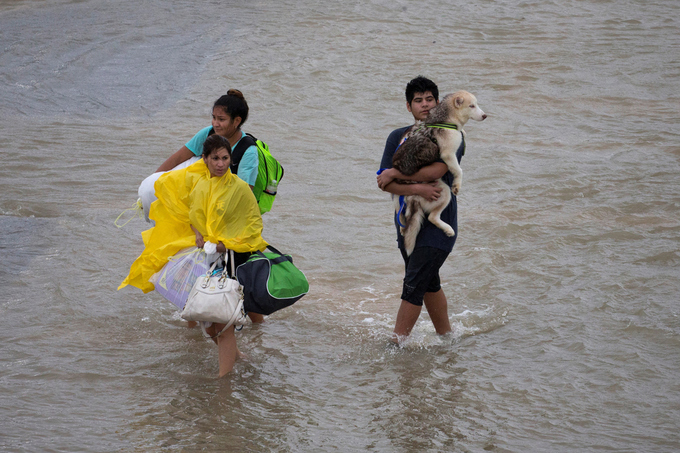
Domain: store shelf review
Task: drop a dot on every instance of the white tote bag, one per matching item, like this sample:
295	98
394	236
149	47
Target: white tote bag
216	298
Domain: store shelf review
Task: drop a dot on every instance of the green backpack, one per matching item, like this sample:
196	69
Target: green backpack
269	172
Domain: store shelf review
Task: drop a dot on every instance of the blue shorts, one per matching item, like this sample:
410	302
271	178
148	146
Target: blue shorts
422	273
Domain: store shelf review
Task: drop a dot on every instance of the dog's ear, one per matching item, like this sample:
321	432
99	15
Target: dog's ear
459	101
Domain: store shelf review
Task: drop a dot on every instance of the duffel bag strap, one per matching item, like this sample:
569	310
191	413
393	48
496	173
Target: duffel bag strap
271	247
233	276
281	258
231	260
225	274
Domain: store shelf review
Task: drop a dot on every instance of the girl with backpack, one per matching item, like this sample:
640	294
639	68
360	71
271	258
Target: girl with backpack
229	113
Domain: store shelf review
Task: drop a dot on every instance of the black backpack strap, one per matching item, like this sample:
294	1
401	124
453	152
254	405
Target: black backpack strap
239	150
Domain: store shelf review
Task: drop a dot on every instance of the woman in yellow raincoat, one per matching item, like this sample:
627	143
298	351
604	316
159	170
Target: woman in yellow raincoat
200	205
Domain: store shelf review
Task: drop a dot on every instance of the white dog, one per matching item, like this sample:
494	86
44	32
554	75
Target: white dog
440	135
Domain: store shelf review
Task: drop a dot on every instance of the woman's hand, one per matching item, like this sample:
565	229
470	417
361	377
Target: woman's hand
199	238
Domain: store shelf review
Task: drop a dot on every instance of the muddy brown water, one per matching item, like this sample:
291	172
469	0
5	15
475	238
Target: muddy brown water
562	287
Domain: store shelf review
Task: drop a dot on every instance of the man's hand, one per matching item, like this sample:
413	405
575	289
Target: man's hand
385	177
429	191
430	172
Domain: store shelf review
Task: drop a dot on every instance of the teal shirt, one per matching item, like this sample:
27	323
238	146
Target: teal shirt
247	168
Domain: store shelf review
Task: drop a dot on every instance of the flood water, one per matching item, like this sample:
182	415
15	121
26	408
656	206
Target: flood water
563	286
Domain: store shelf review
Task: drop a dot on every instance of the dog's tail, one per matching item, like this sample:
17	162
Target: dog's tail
414	222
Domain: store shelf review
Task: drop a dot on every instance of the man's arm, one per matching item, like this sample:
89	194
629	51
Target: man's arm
428	173
429	191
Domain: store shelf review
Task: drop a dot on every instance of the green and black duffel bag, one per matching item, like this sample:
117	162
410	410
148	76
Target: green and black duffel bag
270	282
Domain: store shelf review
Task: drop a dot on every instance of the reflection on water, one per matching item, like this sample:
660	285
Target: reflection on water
561	287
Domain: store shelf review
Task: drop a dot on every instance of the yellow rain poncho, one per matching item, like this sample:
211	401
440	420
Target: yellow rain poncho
222	209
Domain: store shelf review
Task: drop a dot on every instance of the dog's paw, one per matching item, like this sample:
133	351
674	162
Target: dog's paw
449	231
455	189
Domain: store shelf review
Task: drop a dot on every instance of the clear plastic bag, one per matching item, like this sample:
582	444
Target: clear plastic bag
175	280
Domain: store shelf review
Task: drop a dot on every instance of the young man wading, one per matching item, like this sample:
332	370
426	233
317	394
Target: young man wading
421	278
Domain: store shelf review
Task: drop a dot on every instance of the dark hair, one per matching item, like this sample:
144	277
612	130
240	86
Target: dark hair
215	142
421	85
234	104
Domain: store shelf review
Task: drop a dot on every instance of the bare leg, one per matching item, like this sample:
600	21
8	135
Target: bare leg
437	308
227	350
406	319
256	318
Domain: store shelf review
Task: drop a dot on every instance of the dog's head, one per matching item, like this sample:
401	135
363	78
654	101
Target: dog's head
463	106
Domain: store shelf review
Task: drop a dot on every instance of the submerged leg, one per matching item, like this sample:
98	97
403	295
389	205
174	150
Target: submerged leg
406	318
227	350
256	318
437	308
